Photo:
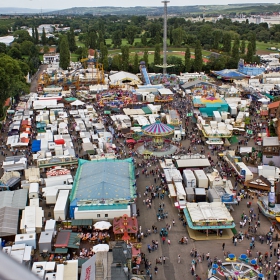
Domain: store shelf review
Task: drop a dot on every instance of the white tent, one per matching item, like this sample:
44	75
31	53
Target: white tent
77	103
100	248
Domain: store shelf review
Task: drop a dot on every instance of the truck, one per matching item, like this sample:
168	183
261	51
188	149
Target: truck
189	194
61	206
200	195
202	180
58	180
33	190
217	116
189	179
232	109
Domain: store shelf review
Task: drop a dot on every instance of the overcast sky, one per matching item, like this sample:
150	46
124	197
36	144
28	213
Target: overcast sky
64	4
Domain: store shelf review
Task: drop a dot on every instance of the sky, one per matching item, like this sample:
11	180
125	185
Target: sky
64	4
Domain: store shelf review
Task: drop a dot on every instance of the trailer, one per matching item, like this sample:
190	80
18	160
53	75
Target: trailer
217	116
51	196
50	225
33	190
26	239
58	180
180	191
61	206
190	194
202	180
200	195
189	179
213	196
45	241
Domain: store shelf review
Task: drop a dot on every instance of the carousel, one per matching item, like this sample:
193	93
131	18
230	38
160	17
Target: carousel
158	142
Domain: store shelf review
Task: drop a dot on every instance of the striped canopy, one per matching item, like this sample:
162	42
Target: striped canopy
158	129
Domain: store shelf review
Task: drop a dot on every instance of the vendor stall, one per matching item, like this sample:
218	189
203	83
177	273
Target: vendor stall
125	228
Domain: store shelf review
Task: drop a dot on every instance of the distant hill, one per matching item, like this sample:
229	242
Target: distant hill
14	10
158	10
151	11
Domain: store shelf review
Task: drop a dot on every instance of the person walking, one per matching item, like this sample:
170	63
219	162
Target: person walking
179	259
223	246
163	259
168	241
156	270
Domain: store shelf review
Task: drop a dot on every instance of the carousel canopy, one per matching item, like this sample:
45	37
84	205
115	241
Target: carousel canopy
158	129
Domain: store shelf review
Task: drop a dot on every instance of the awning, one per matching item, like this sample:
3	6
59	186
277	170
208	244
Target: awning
61	250
74	241
83	222
146	110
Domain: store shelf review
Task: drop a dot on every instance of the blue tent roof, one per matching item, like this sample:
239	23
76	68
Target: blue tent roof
230	74
36	146
103	180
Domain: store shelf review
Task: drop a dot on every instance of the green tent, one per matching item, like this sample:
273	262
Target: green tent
233	140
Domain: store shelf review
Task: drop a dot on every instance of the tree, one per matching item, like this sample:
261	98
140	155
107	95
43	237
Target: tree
117	38
21	36
116	62
104	56
242	47
157	59
249	54
136	63
188	60
235	51
71	40
178	34
227	42
217	39
25	47
3	48
91	40
44	37
146	58
253	42
144	39
12	80
131	32
36	36
33	33
64	52
14	53
125	58
198	62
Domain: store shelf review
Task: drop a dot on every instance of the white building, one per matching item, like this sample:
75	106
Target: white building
51	58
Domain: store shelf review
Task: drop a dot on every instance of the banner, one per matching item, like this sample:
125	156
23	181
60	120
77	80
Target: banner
88	269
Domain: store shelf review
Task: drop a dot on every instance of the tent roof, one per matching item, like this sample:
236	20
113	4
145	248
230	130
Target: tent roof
196	83
16	199
8	221
122	76
158	128
204	211
230	74
83	222
106	179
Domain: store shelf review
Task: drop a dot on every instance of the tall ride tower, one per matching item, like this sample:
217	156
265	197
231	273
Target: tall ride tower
165	36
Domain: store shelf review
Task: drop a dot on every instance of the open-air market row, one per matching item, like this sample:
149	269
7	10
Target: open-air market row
88	153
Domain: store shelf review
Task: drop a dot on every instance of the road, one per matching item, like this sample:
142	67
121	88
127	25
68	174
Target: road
172	269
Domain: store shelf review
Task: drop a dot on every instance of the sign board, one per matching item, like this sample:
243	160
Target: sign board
88	269
249	131
189	114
